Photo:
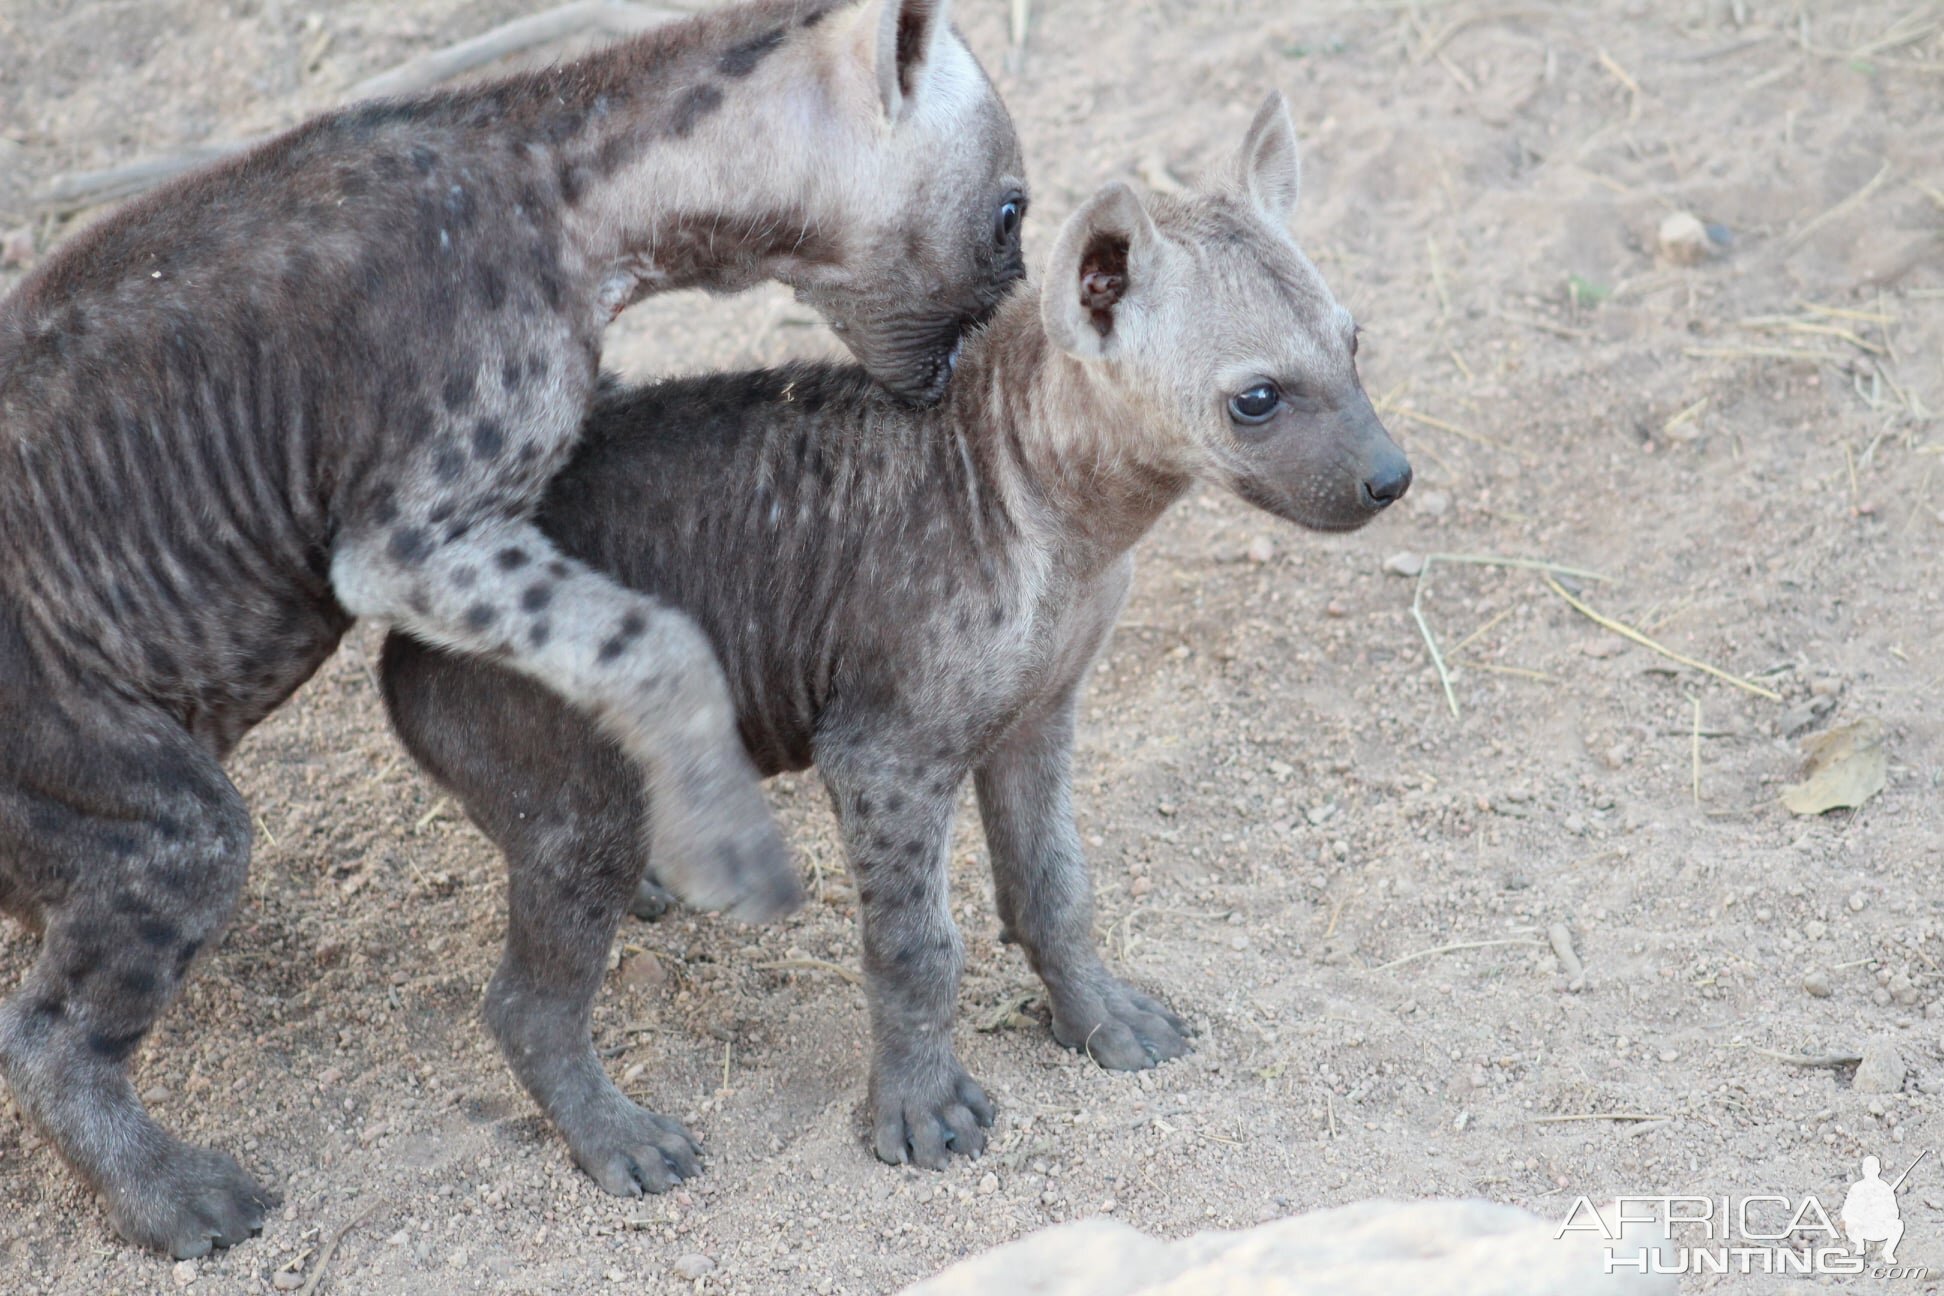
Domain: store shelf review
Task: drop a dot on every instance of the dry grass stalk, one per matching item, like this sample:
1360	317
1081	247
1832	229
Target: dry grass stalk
1628	632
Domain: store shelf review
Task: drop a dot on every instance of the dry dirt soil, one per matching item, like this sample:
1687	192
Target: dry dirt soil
1345	885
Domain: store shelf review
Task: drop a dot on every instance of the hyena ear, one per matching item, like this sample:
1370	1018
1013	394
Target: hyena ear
1269	167
1105	258
908	32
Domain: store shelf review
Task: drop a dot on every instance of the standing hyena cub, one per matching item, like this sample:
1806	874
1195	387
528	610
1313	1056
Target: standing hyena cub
905	599
331	379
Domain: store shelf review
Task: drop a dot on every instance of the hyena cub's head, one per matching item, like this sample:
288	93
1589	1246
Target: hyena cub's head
1200	312
924	193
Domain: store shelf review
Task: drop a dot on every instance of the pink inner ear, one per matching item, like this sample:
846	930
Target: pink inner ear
1103	279
1100	290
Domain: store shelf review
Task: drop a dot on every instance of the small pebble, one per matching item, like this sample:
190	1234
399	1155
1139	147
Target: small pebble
1815	983
16	248
1261	550
1857	900
1404	564
694	1266
184	1272
285	1280
1882	1069
1432	503
1685	239
988	1184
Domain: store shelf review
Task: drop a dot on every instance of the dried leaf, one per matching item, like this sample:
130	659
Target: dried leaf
1847	766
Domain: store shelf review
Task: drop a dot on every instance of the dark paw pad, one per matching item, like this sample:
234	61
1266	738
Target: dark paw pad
651	901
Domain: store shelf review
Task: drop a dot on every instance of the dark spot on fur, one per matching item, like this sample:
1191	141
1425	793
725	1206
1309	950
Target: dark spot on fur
632	625
137	983
539	632
423	159
812	18
894	802
691	106
458	390
511	558
536	598
510	374
481	615
557	569
573	180
155	932
742	59
457	531
448	463
612	649
492	287
113	1047
466	576
410	545
488	439
863	804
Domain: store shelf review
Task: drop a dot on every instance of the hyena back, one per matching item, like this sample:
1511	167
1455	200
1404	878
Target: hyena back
329	379
908	599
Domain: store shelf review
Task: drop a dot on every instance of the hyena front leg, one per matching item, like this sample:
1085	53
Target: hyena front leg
642	670
897	818
1045	896
144	845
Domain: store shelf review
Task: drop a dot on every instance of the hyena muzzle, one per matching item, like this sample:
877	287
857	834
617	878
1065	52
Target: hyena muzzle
910	599
329	379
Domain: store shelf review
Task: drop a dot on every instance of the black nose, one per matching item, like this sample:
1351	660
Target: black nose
1388	483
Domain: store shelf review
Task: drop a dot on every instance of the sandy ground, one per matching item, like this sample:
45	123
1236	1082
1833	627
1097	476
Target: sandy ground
1283	810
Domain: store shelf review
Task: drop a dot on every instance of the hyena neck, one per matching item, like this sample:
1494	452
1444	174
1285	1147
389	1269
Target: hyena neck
689	157
1073	458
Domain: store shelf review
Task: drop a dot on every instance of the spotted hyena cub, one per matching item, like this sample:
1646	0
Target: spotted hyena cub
907	599
329	379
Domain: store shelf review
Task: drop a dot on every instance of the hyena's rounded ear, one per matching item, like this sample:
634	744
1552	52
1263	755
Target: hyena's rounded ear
908	33
1106	257
1269	168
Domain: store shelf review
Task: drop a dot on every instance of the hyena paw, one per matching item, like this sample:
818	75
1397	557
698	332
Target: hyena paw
1117	1026
629	1150
651	900
716	846
188	1200
924	1114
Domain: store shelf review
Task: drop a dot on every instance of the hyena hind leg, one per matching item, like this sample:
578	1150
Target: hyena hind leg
640	669
153	875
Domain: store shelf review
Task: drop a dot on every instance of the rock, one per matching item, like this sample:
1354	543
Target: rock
285	1280
17	248
184	1272
1261	550
1815	984
694	1265
1437	1248
988	1184
1687	240
1882	1067
1404	564
1432	503
644	972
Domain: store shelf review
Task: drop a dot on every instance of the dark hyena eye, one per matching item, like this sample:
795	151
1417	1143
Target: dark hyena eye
1006	223
1256	404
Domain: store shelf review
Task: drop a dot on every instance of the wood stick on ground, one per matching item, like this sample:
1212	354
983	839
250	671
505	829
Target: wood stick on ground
87	188
1628	632
1455	946
1022	21
1826	1062
1601	1116
330	1248
1696	699
1473	560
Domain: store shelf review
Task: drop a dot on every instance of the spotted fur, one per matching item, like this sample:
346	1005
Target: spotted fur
908	599
330	379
